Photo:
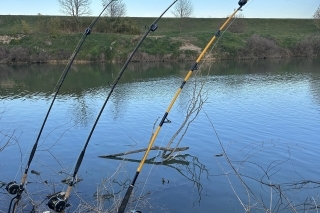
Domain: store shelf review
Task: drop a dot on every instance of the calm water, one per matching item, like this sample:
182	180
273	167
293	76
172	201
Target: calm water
266	115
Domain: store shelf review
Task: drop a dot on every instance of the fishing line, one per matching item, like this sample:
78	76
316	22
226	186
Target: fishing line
58	203
13	188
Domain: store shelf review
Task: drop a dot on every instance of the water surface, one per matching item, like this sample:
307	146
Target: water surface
265	114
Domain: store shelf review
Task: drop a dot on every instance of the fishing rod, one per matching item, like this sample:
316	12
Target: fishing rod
13	187
164	119
59	202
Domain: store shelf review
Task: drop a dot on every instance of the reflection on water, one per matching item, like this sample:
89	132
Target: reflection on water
186	165
42	78
266	114
38	78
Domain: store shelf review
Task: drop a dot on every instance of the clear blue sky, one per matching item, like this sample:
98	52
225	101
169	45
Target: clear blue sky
153	8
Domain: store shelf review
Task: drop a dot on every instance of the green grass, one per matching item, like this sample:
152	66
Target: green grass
52	35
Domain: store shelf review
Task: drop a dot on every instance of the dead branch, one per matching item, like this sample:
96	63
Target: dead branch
144	149
194	106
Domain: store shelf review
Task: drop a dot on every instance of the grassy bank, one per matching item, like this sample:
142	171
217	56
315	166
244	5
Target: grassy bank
38	39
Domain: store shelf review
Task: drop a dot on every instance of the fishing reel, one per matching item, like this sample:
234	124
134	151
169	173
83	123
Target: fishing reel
13	188
57	202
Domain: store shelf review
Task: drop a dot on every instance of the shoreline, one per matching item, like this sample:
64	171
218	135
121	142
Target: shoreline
61	62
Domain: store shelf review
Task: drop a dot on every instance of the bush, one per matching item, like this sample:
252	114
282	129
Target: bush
25	27
118	25
19	54
3	54
21	27
62	54
308	47
16	28
260	47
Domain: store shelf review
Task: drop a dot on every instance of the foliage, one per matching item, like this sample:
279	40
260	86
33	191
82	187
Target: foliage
75	8
25	27
21	26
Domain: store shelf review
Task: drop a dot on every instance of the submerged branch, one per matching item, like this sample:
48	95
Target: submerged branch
142	150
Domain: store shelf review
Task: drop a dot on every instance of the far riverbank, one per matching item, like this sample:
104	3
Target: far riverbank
48	39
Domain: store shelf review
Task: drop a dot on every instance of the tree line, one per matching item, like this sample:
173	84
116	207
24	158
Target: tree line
76	8
182	9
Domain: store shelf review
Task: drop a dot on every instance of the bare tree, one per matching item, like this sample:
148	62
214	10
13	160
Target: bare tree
75	7
316	17
183	9
116	9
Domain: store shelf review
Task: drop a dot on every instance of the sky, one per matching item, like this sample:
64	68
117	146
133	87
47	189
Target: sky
153	8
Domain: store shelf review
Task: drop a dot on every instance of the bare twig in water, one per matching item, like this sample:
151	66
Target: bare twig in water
144	149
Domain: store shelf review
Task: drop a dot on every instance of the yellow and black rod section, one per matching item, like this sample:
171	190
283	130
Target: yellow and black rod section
126	198
14	188
58	202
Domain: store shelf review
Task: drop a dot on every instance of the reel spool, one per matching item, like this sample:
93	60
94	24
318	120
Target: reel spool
13	188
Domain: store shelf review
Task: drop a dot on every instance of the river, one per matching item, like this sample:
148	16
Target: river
253	145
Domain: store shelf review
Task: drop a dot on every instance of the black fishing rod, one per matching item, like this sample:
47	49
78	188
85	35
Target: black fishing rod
126	198
14	188
59	202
